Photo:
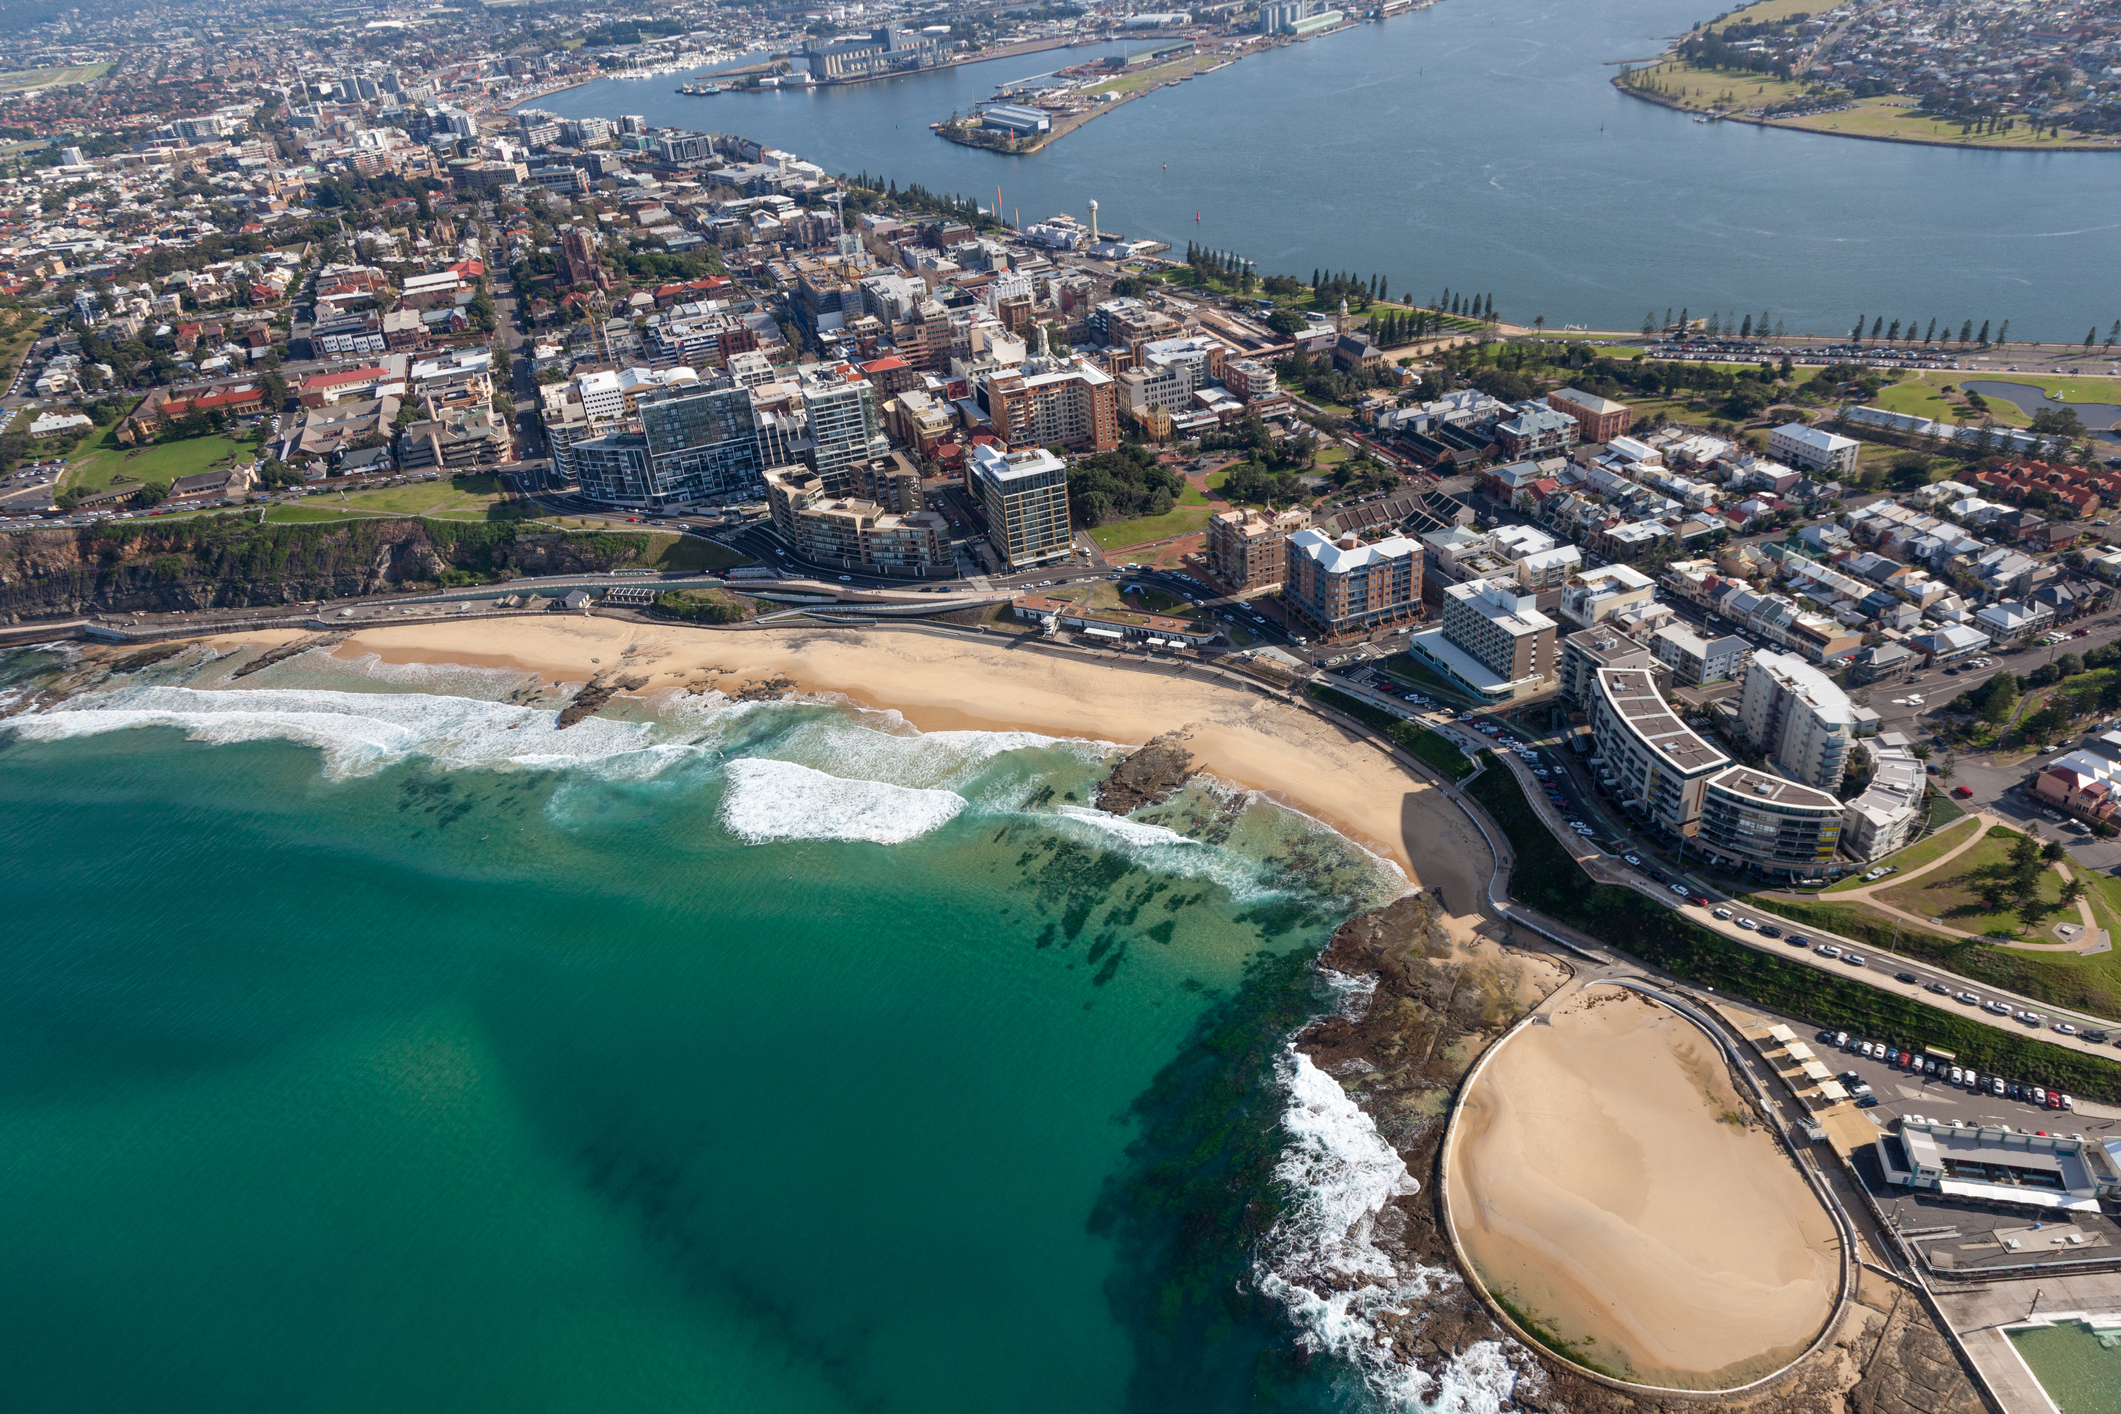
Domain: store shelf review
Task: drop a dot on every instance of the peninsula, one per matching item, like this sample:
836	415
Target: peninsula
1976	76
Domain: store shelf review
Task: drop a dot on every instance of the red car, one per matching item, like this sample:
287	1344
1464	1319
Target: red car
1963	792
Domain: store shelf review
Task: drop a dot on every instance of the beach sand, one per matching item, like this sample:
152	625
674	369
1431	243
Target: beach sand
945	681
1598	1188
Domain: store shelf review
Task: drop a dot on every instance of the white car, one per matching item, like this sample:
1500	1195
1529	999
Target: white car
1748	923
1632	860
2064	1028
1679	889
1827	950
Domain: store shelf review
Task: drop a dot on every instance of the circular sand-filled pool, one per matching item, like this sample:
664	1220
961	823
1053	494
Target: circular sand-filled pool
1613	1192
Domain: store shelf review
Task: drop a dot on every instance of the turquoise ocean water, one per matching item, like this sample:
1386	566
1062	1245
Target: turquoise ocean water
365	1042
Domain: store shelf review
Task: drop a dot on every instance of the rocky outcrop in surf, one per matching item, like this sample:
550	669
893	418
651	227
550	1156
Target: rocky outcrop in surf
1150	776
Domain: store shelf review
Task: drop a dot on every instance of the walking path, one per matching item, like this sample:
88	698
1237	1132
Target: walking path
1868	895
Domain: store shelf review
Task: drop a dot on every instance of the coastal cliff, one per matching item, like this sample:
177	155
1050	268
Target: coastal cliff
1432	1006
233	562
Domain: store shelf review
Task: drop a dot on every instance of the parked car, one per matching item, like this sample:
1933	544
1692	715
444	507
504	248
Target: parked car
1827	950
2065	1029
1868	1102
1769	930
1963	792
1749	924
1799	940
1939	988
1724	914
1854	959
1679	889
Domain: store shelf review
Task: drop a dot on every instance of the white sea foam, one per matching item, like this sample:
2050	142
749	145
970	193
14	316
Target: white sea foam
1166	851
360	733
1323	1262
771	800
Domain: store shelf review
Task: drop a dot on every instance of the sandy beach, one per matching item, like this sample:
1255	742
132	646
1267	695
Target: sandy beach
941	681
1606	1183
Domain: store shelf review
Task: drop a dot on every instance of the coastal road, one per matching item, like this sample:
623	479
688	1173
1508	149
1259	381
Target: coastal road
1883	973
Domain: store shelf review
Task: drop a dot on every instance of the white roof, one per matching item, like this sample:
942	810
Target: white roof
1334	559
1813	437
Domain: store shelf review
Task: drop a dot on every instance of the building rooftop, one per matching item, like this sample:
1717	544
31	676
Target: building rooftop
1633	696
1348	554
1758	785
1589	402
1501	604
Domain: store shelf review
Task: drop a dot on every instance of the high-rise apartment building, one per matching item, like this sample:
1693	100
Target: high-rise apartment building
1492	640
846	422
1799	717
1753	820
1346	589
854	532
693	446
1053	402
1653	762
1025	497
1248	549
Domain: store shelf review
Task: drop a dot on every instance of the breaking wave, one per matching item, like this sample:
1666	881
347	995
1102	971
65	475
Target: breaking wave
360	733
1323	1261
770	800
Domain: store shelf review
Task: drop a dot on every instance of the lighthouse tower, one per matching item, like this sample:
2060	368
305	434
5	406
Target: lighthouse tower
1093	223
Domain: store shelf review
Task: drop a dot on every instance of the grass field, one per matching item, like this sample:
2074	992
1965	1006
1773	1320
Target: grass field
1184	520
100	460
1916	855
1891	117
2062	387
1951	893
1770	11
21	79
1702	89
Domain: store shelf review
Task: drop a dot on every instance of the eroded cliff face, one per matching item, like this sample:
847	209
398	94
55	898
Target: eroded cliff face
233	562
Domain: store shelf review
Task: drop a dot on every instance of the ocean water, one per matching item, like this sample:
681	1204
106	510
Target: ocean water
366	1042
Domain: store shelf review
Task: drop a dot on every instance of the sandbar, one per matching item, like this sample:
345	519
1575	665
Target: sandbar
1607	1182
939	680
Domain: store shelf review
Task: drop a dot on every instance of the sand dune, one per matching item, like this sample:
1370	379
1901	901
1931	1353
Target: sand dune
1605	1181
941	681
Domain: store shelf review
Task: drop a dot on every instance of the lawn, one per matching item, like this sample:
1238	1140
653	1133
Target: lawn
1182	520
1919	397
2062	387
1952	894
100	462
1921	852
1735	90
1894	117
457	493
311	515
1768	12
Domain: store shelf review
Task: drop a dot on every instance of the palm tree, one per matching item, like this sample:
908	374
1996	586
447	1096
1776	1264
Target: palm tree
1539	323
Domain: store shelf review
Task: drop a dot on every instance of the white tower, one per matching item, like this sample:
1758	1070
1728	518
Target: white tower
1093	223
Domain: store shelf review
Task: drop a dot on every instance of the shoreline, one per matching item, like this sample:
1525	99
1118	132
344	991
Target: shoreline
1284	752
1791	127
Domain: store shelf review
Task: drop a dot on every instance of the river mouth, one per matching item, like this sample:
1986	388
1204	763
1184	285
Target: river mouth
1615	1195
2099	419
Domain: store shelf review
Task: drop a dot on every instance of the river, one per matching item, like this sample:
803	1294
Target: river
1513	168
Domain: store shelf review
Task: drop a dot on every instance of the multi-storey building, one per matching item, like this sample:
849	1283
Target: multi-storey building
846	422
1597	419
1811	449
1598	594
1346	589
1053	402
1695	660
1799	717
891	49
1536	431
1024	496
1585	651
1752	820
1248	550
854	532
693	446
1493	641
1654	763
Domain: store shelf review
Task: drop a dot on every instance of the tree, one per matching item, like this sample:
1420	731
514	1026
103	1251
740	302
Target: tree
2052	852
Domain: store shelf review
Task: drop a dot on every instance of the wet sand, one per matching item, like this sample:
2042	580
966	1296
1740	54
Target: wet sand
940	681
1608	1183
